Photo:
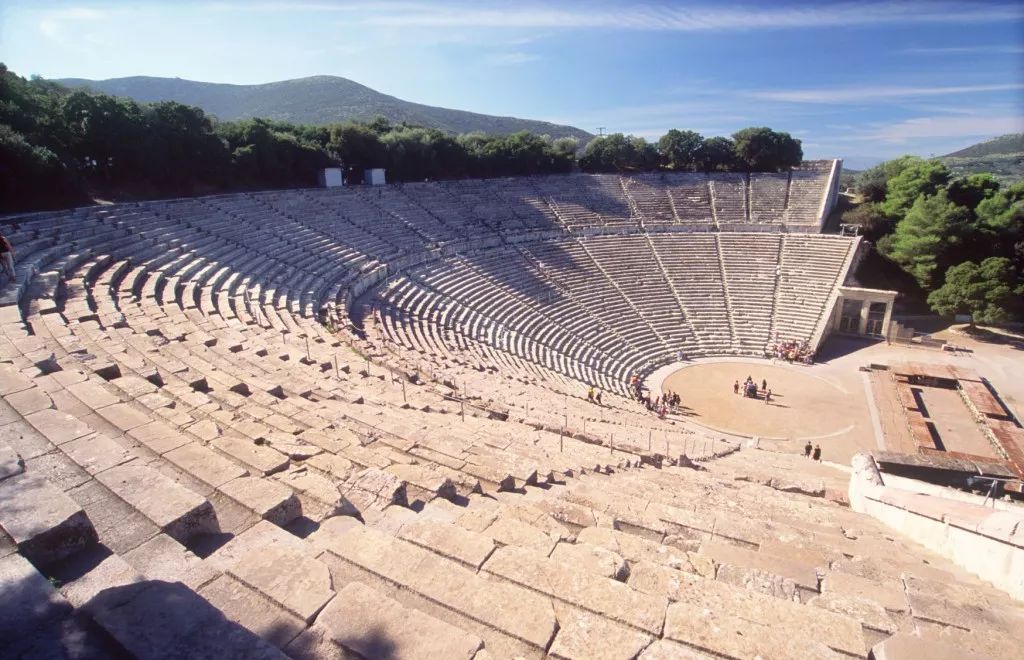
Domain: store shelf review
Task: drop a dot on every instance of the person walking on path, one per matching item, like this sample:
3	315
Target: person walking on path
817	453
807	449
736	387
7	256
767	397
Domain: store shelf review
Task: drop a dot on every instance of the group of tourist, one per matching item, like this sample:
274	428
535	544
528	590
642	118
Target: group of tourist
594	395
790	351
813	453
749	389
661	405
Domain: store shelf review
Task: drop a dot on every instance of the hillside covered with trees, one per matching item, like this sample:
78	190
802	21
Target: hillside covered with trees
60	147
316	100
1002	157
958	240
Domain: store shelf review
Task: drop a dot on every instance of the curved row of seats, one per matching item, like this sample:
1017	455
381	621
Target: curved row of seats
598	309
197	463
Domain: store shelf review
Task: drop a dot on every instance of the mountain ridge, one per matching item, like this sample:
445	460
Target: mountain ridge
1002	157
1011	143
316	100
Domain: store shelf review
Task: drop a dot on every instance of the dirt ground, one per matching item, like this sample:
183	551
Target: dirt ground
832	402
804	405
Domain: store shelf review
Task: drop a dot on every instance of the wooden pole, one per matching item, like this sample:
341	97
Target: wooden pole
337	370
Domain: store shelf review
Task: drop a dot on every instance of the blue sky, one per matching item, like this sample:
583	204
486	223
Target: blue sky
863	81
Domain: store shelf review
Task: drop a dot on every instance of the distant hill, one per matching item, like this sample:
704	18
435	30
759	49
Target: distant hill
314	100
1002	145
1002	156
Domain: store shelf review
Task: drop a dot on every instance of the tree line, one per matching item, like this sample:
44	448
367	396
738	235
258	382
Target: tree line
960	239
60	147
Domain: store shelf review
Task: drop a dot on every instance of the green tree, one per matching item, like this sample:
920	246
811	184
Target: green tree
919	177
680	149
617	153
990	292
716	153
358	146
760	149
927	239
873	222
872	183
566	147
32	176
969	191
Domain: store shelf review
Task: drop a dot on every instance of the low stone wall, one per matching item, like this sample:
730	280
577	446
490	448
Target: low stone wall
986	541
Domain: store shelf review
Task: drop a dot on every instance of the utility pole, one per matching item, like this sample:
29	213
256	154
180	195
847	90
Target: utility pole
600	131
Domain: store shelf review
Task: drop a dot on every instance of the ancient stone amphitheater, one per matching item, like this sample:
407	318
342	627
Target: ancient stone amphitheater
352	423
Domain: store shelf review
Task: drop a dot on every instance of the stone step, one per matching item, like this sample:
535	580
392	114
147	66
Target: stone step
44	523
167	620
270	500
511	620
737	622
906	646
762	571
575	586
366	622
451	541
30	603
176	510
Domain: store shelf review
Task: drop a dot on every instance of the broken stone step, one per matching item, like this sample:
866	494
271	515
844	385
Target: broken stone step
260	458
583	634
170	620
757	624
10	463
423	478
176	510
251	609
576	586
451	541
271	500
906	646
635	548
511	620
361	619
205	464
741	564
46	524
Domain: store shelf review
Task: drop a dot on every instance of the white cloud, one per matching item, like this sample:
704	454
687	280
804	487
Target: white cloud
671	17
947	127
867	94
641	16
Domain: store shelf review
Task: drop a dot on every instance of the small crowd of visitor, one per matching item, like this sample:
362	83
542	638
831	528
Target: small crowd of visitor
749	389
661	405
594	396
790	351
